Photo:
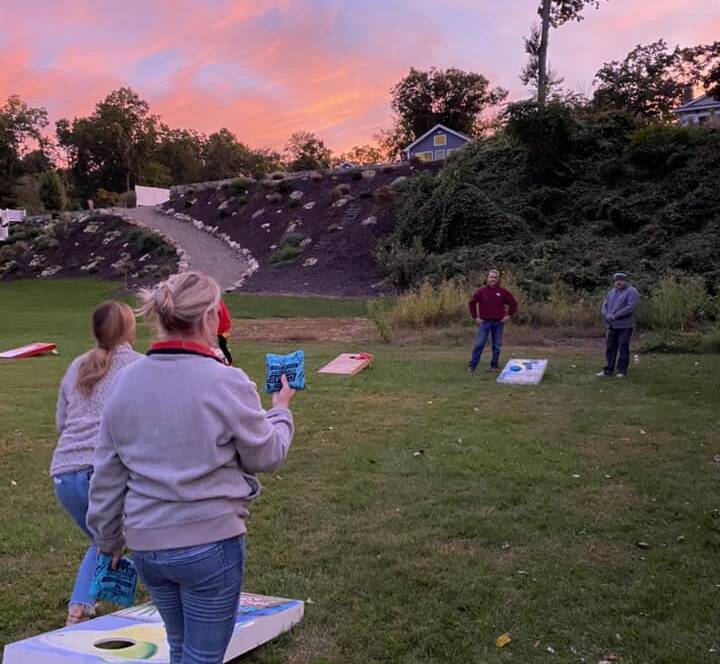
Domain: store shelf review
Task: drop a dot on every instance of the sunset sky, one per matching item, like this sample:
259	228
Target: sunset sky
266	68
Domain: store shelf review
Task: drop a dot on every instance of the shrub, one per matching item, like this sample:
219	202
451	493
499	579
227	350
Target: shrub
188	204
284	187
365	194
387	169
431	306
24	233
11	268
383	194
238	187
223	213
52	191
294	203
285	254
242	200
340	190
292	239
676	304
128	199
105	198
13	251
144	242
356	175
379	312
46	243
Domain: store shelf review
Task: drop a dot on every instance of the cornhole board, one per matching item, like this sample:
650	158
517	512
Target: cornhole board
137	634
27	351
522	372
347	364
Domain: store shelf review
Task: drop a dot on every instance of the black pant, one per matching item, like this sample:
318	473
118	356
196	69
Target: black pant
222	342
617	341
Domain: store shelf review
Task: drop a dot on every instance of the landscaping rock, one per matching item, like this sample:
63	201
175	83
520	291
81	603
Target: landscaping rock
309	262
258	213
341	202
296	195
309	205
369	174
370	221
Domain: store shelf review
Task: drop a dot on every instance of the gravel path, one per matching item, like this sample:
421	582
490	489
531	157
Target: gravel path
205	252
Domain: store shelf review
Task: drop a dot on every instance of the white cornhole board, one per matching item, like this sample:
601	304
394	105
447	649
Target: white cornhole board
522	372
138	635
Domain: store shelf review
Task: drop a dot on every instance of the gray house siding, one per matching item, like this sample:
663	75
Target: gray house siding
428	150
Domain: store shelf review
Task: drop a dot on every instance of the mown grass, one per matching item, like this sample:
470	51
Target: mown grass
424	512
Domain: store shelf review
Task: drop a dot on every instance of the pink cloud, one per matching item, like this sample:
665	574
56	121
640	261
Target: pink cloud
266	68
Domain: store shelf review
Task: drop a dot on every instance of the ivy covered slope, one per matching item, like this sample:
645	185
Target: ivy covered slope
102	246
565	197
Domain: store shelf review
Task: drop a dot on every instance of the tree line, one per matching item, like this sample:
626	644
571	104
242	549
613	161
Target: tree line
122	143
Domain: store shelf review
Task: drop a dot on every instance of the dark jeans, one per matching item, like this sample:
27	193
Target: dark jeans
617	346
196	590
222	343
485	329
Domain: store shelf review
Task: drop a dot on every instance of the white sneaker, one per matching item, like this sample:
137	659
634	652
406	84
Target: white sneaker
601	374
620	375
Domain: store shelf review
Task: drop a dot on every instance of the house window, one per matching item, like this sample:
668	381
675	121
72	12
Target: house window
440	154
702	119
440	139
424	156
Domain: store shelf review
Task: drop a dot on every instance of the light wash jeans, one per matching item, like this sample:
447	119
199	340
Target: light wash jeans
196	589
71	490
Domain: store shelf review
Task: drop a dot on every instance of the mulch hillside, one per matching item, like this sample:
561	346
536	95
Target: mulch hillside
102	246
334	220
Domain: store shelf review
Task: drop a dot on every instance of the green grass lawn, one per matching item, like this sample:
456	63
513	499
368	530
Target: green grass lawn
522	513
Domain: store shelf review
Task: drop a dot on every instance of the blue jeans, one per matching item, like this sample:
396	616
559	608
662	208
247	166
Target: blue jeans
197	590
485	329
71	490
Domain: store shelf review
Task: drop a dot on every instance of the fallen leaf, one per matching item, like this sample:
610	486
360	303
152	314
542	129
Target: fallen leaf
13	482
309	601
503	640
643	432
536	644
643	545
576	476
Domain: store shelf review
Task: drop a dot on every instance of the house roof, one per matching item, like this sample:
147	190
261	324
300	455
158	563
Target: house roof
438	126
699	104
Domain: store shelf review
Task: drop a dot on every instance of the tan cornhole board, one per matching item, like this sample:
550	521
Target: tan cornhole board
347	364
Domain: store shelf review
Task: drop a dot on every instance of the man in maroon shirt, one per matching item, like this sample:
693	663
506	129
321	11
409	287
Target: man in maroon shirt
491	306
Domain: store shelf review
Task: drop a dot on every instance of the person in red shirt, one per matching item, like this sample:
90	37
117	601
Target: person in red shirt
491	306
223	332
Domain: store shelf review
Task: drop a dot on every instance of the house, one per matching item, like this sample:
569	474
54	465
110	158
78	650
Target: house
698	111
436	144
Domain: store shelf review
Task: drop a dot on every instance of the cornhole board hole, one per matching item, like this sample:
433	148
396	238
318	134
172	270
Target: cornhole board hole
347	364
27	351
137	634
522	372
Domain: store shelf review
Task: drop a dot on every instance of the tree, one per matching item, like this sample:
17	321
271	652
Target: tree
180	151
452	97
365	155
306	152
652	80
225	157
21	127
52	192
553	14
109	148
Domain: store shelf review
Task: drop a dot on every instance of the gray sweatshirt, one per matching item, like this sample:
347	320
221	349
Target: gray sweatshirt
77	417
181	439
618	307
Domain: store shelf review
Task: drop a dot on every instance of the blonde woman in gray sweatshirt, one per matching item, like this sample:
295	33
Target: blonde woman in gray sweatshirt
79	409
181	441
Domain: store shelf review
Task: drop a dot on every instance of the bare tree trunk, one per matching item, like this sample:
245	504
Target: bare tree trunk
543	53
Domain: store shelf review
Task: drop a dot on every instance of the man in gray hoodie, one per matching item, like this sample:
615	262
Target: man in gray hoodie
617	310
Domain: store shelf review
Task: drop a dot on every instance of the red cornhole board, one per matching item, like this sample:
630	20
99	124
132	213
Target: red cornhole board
27	351
347	364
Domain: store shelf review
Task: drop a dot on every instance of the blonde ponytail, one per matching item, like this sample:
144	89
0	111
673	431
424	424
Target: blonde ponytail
181	303
113	323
